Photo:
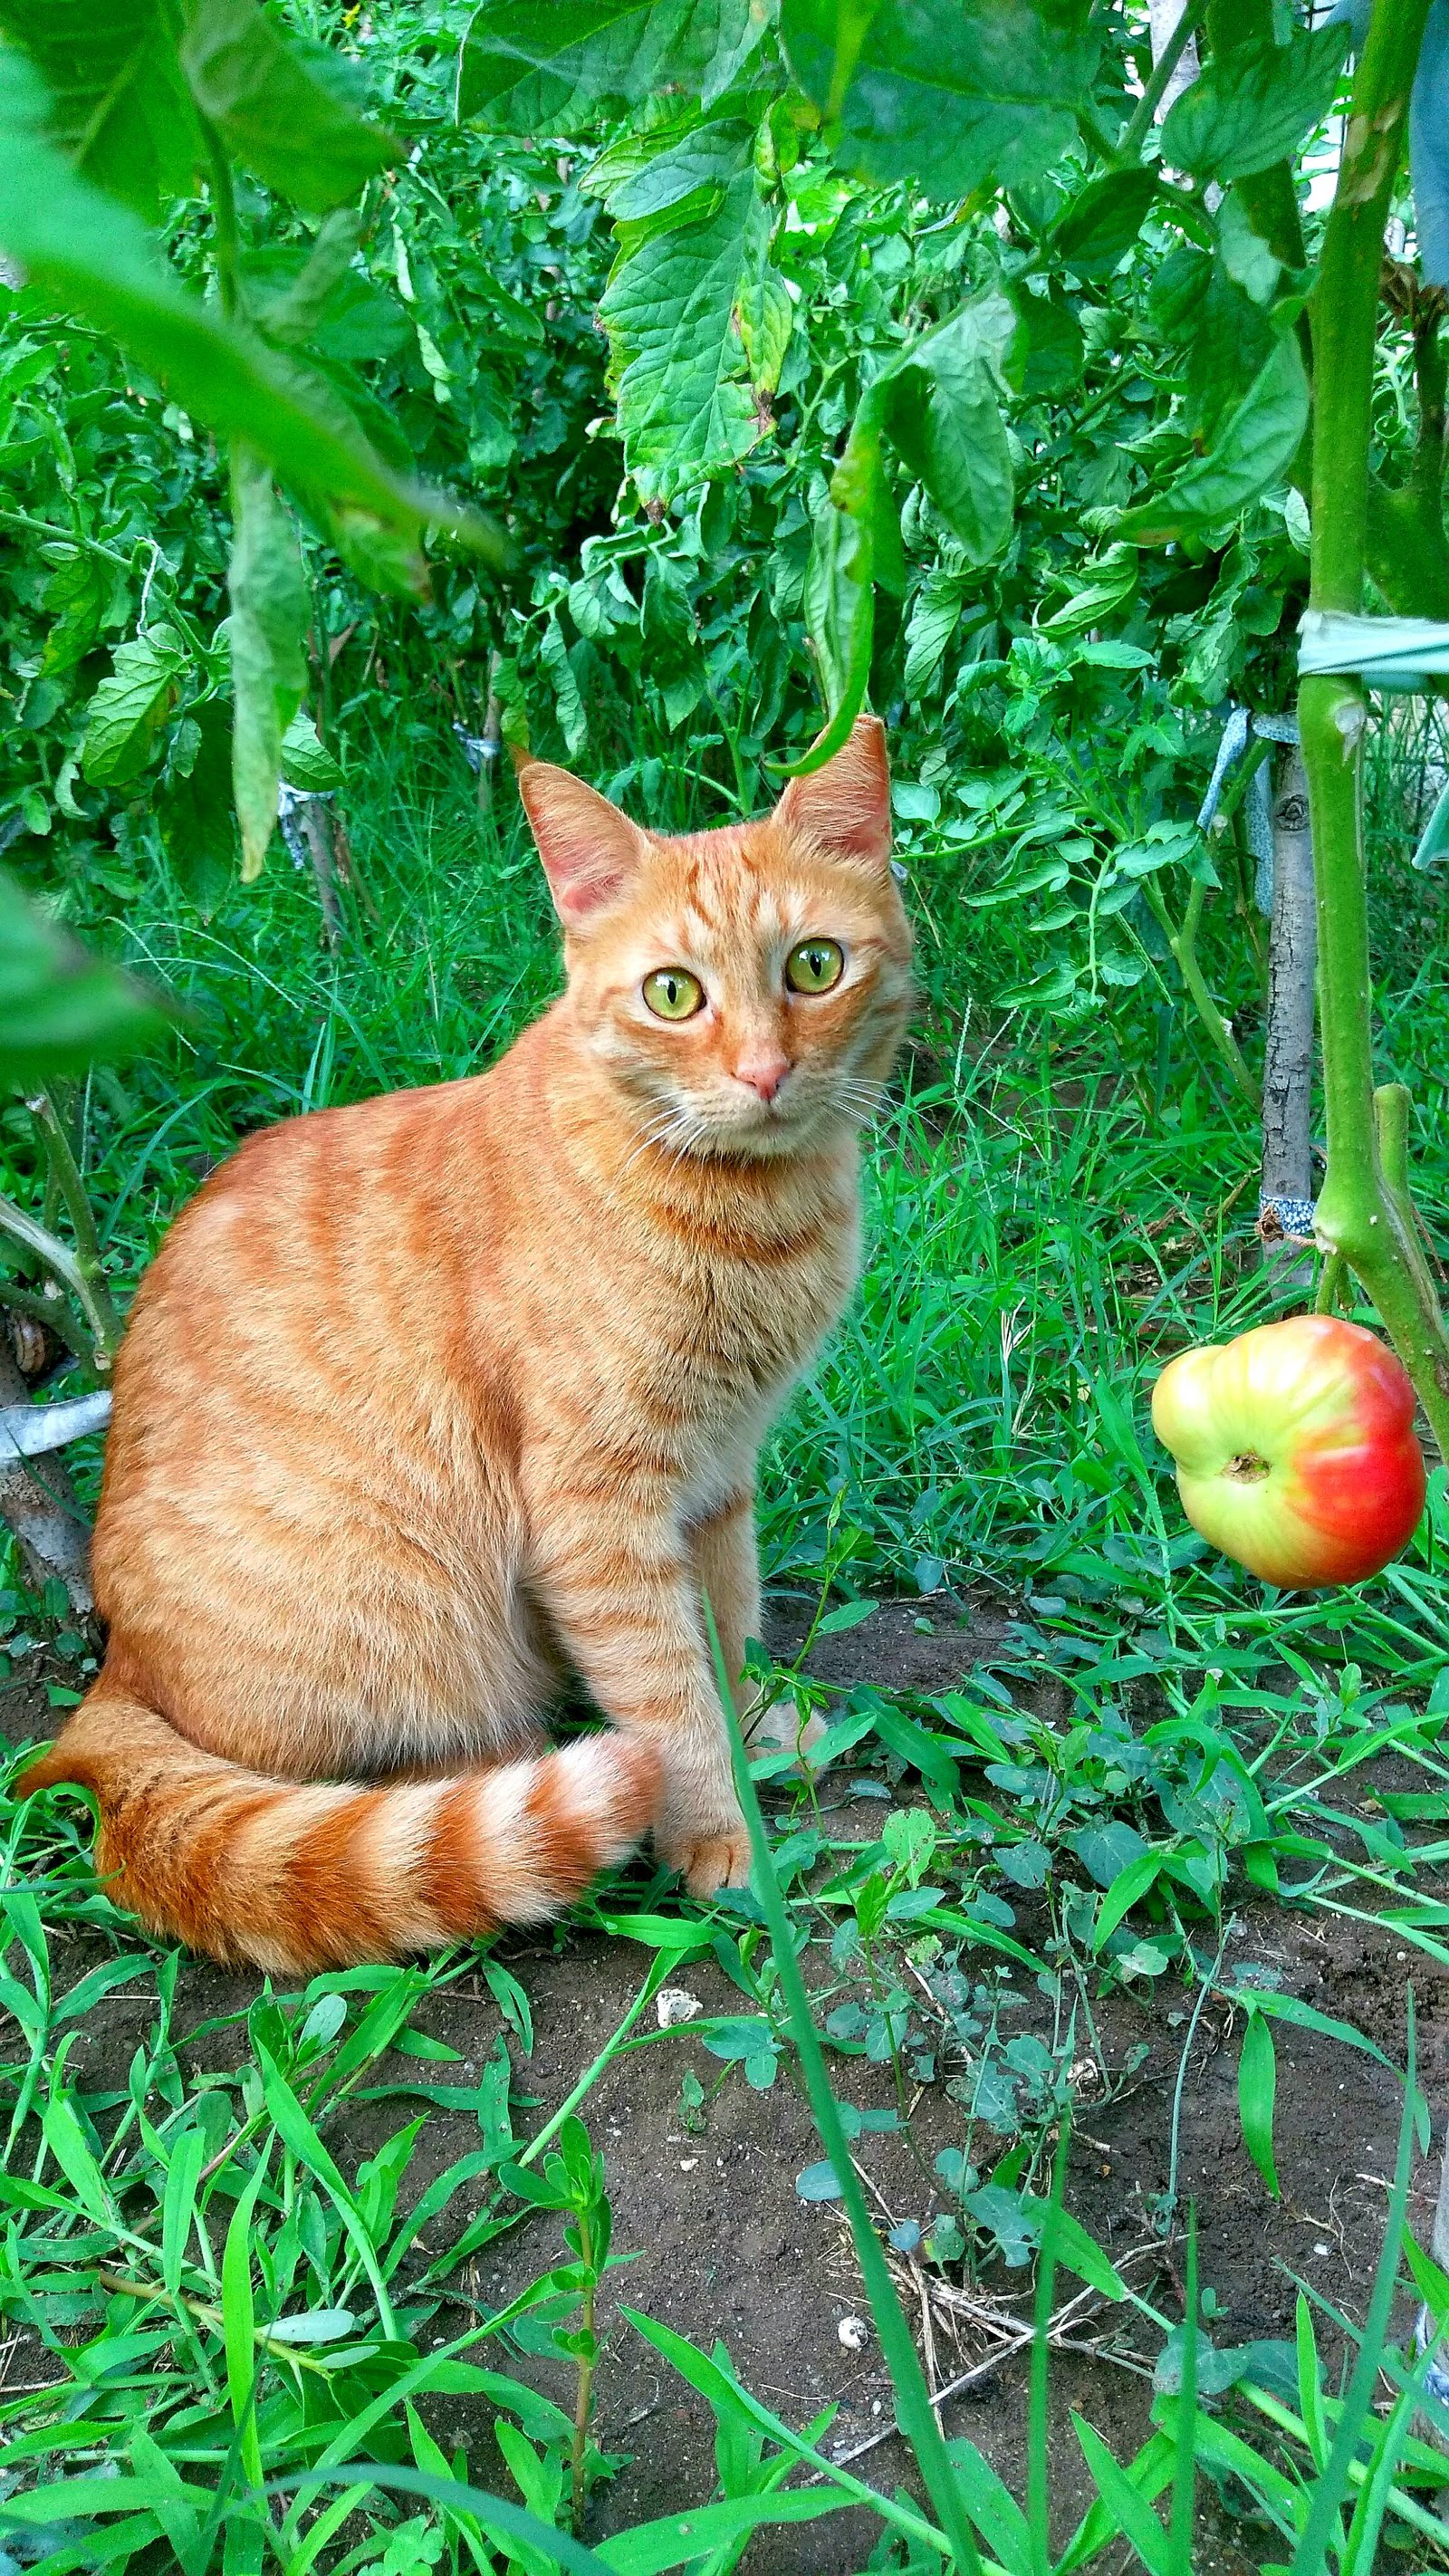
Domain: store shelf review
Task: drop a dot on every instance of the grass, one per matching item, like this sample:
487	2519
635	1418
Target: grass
231	2329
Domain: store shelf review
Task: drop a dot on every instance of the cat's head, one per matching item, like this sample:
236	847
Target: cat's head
742	991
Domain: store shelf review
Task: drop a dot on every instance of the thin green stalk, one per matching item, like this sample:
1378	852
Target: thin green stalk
1134	134
1332	2485
57	1258
1359	1216
662	1964
1184	2481
1183	943
223	210
914	2411
1038	2452
584	2395
73	1190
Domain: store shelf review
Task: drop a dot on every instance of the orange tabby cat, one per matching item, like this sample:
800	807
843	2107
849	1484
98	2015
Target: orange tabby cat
426	1402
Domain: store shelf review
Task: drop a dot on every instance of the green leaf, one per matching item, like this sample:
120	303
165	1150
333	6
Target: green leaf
1047	353
818	2182
119	103
1252	106
708	157
1255	445
948	93
239	2324
178	2208
945	418
77	595
1124	1891
548	65
267	627
1257	2086
306	761
1131	2512
196	813
839	605
1103	221
934	618
669	310
281	107
93	258
130	706
681	2538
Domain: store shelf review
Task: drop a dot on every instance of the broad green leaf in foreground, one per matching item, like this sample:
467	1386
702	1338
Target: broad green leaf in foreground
670	314
119	104
1252	105
280	107
97	260
949	93
60	1009
527	64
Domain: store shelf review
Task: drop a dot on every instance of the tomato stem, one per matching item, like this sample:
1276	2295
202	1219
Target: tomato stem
1364	1217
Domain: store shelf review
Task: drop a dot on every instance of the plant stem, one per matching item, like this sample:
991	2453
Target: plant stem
1359	1215
73	1190
223	209
1183	944
1135	133
56	1258
584	2398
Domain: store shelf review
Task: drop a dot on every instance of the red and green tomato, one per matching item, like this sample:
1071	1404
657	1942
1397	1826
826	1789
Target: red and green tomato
1295	1449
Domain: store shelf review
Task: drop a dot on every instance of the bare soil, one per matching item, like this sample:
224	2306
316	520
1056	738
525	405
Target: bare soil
722	2246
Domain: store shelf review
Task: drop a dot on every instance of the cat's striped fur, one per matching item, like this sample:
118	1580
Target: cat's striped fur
429	1402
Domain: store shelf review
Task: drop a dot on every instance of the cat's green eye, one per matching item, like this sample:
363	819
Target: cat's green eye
671	994
815	966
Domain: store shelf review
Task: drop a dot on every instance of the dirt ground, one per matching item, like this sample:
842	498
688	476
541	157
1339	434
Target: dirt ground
723	2247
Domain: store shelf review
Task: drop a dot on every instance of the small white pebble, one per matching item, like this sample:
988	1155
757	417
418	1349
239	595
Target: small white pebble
688	2163
674	2004
854	2333
1323	2249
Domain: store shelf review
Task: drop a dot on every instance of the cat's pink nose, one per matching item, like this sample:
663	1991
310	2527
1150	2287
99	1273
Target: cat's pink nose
763	1072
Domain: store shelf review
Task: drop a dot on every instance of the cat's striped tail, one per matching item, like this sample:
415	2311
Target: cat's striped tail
295	1876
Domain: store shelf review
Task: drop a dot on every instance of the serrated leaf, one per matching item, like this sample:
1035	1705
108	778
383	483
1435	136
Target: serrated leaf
306	761
1256	444
711	156
767	320
948	93
130	706
282	108
1252	105
531	66
669	310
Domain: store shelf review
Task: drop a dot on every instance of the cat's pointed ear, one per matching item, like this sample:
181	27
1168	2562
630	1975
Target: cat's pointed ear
591	852
846	804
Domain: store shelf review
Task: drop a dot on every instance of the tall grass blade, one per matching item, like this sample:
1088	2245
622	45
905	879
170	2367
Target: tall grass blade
914	2411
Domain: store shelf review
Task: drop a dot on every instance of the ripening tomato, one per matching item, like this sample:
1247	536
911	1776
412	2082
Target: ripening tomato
1295	1449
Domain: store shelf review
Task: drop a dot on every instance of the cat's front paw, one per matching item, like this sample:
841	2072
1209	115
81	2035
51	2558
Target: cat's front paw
711	1860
